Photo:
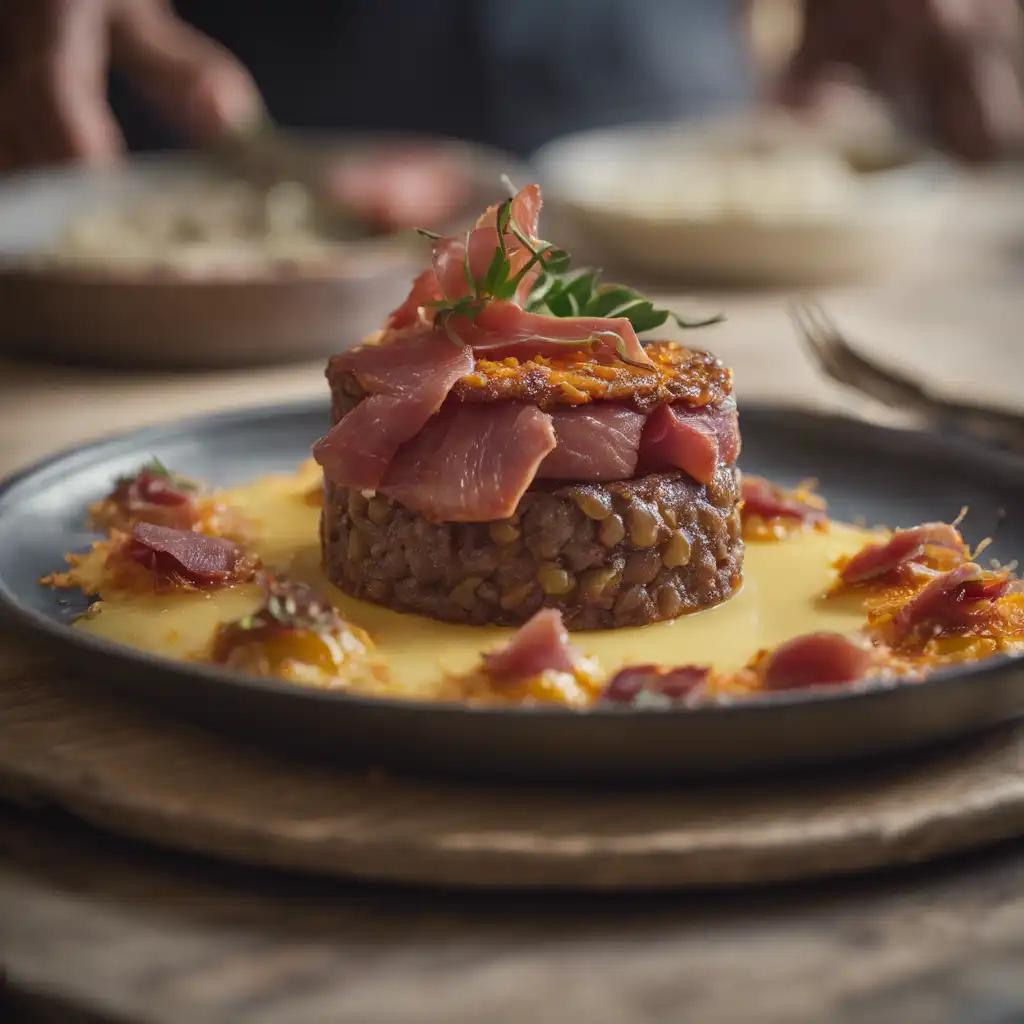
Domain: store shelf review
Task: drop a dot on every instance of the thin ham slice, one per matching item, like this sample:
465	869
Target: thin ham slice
525	212
697	441
815	659
595	442
185	554
148	488
503	329
953	602
634	684
763	498
471	463
446	277
409	381
151	497
877	562
476	249
541	645
425	289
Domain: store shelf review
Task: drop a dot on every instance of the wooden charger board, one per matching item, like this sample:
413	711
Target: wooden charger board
129	769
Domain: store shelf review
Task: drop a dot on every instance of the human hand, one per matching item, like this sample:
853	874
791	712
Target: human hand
946	62
54	58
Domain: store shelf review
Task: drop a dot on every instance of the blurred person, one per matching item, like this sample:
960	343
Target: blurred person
82	79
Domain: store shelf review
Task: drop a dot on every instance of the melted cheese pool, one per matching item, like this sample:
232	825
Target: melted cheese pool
781	598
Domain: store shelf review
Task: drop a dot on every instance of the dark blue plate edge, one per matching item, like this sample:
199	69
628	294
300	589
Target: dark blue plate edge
1007	467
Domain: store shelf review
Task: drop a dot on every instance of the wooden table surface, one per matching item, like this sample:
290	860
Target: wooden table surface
93	928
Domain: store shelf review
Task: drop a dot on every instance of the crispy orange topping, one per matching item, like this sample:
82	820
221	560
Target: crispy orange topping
928	603
572	394
575	378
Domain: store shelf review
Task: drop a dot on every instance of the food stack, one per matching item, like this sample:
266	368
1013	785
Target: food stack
506	443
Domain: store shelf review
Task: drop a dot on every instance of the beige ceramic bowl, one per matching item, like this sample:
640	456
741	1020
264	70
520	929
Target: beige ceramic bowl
260	314
651	198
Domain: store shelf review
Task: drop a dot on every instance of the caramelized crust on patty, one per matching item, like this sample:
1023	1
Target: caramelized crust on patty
680	375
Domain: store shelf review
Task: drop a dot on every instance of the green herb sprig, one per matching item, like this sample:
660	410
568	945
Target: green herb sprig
156	468
291	606
498	281
582	294
557	291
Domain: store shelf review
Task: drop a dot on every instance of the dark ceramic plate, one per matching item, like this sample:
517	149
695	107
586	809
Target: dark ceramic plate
887	476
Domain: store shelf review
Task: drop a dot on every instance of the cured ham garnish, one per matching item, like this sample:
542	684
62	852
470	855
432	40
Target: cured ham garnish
653	685
186	557
152	495
446	278
471	463
409	381
767	500
501	329
541	645
962	600
157	495
524	211
460	262
904	552
425	290
468	305
815	659
695	441
598	442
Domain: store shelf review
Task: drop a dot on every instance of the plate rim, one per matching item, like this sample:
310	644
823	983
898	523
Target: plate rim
40	624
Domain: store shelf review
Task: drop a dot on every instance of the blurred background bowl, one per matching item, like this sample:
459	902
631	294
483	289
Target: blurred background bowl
755	202
129	309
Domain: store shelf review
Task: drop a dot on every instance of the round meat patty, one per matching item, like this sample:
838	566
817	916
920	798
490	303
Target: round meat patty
607	555
688	376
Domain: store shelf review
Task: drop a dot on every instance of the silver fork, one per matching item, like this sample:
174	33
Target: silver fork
838	359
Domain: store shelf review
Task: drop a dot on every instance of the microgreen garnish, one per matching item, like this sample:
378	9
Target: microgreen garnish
156	468
582	294
292	606
498	281
557	291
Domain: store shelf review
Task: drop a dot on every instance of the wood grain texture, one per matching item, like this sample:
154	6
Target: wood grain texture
143	774
136	936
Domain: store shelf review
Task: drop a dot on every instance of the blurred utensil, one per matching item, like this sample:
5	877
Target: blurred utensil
838	359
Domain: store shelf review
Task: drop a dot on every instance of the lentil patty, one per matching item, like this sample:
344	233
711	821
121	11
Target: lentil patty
608	555
680	375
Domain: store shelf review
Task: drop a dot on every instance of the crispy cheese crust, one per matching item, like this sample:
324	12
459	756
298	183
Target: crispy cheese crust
576	378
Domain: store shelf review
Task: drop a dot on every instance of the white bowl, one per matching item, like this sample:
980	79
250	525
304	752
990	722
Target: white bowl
803	217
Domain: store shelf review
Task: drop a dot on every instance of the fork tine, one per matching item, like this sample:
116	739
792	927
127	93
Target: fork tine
821	336
834	354
840	361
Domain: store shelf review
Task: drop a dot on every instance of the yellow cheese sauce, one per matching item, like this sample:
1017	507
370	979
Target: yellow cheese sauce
782	597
